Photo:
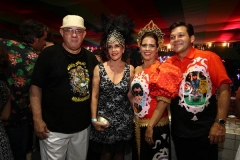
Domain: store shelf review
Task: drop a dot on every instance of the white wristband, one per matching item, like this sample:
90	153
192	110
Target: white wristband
93	119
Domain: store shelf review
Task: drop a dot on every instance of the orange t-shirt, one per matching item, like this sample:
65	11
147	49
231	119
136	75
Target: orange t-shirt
207	61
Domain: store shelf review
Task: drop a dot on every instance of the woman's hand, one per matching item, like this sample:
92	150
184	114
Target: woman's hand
157	115
99	126
148	135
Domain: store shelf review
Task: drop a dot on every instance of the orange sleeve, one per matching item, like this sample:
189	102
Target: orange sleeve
164	82
217	71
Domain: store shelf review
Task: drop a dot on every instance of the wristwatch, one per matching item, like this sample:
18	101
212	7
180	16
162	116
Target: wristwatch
220	121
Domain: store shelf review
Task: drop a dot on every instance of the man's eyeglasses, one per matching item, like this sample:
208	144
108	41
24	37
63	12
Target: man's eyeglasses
72	31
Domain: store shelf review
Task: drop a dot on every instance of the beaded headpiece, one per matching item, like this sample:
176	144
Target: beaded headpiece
151	27
115	35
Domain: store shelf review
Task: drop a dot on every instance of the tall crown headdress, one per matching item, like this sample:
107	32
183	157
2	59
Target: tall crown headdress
151	27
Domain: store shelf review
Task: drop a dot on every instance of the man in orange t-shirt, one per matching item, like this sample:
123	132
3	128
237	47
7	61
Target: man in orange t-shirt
197	115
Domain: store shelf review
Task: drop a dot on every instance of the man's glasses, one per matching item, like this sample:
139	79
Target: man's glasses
72	31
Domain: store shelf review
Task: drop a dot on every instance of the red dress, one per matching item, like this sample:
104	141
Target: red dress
154	83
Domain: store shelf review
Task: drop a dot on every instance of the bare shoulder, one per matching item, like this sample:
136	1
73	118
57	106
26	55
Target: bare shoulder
132	71
131	68
138	69
96	70
96	67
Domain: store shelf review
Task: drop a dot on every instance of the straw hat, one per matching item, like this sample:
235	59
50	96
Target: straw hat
73	21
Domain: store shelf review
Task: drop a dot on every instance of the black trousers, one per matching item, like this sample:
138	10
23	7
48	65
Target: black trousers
198	148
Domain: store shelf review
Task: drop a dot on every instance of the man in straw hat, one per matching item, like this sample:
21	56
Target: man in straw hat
60	94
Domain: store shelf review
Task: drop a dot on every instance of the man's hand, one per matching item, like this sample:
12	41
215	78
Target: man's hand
41	129
217	133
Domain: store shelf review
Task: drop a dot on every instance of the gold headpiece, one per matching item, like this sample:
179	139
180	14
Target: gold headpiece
115	35
151	27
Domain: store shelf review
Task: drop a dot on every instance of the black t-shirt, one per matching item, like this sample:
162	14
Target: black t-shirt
182	121
66	81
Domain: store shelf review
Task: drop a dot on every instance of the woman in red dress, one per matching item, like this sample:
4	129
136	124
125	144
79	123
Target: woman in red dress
153	87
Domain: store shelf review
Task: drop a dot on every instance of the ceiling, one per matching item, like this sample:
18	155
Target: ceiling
213	20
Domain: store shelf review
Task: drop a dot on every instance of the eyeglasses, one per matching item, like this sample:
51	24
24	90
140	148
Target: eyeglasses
149	46
72	31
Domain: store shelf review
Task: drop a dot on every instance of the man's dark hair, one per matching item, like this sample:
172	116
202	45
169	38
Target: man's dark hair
189	27
30	29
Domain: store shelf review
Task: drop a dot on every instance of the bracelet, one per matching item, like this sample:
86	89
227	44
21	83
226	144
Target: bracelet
93	119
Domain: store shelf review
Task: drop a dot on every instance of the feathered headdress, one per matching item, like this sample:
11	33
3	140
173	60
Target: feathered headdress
118	28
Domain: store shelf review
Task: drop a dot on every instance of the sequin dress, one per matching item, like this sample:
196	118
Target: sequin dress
5	150
113	104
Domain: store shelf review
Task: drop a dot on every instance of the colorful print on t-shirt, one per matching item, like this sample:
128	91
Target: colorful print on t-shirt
79	81
140	90
195	89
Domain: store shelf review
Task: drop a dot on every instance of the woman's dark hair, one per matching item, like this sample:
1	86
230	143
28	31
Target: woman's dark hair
101	53
30	29
189	27
4	60
152	35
